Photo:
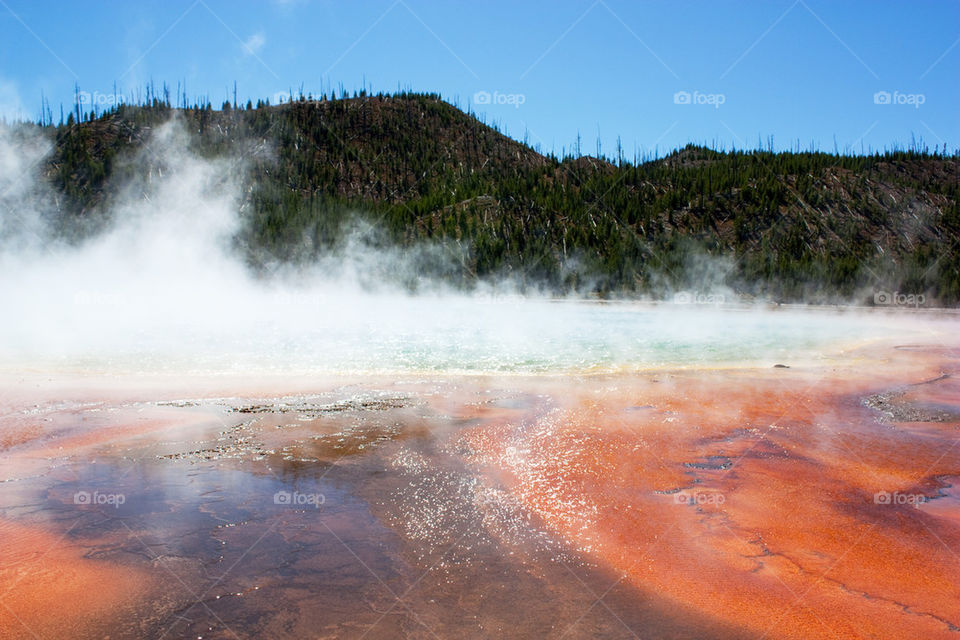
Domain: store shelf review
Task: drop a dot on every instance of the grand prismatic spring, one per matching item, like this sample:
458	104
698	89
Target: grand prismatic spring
431	320
485	467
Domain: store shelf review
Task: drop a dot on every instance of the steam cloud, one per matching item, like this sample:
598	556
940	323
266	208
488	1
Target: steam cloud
161	288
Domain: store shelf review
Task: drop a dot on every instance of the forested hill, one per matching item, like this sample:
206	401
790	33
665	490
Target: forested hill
786	226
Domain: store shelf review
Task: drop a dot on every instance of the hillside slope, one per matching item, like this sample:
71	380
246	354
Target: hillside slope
789	226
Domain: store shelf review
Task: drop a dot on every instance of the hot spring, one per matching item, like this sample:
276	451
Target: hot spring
318	333
189	449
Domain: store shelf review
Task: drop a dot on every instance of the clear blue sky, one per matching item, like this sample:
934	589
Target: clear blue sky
804	70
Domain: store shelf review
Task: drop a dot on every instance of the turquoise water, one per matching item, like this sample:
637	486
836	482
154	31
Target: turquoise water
387	334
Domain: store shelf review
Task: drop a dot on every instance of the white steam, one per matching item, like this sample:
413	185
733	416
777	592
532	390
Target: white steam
162	289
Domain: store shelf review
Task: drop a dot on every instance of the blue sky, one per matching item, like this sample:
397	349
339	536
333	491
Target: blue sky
849	74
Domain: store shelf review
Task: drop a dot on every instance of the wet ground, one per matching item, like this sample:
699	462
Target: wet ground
801	502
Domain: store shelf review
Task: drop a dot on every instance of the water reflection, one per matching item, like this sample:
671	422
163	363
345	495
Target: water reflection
355	515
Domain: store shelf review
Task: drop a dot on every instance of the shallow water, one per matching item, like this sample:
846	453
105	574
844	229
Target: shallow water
342	514
377	334
687	501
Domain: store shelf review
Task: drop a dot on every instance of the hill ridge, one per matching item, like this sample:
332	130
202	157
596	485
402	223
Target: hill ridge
806	226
